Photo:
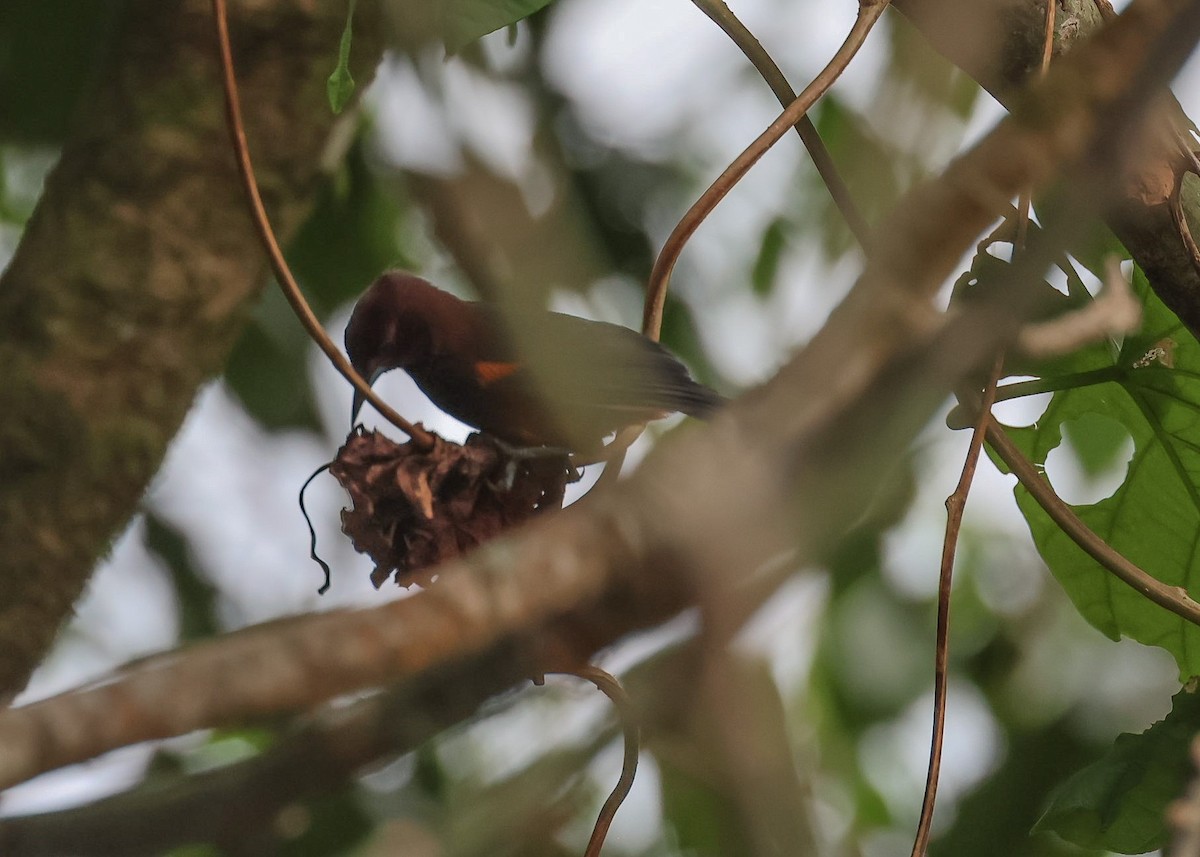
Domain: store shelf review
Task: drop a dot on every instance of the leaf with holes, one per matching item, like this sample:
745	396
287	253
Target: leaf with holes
1152	388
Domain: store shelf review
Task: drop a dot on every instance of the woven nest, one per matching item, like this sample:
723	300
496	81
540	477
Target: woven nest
413	509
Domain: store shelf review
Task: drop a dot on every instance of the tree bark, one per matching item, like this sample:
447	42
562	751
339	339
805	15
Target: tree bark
999	44
134	275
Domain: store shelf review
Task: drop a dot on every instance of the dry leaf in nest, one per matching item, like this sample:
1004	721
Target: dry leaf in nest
413	509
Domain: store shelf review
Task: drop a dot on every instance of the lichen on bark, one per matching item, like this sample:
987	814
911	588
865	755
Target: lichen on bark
134	275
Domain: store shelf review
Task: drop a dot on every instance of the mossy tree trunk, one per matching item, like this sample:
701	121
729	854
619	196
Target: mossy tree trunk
134	275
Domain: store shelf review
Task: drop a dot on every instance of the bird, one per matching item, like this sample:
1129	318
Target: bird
570	384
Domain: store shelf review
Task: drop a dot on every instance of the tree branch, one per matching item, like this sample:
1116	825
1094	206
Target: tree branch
132	280
224	805
788	467
999	43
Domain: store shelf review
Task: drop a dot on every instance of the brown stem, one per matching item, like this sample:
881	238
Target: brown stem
576	581
724	18
610	687
955	504
1173	598
315	756
656	292
283	274
660	276
1181	224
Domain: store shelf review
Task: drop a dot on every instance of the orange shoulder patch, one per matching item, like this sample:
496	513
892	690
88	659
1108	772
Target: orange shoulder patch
491	372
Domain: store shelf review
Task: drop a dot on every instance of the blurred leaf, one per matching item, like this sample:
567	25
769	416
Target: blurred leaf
257	738
995	819
523	813
1118	803
680	335
704	821
341	84
1094	247
465	21
197	596
766	266
227	746
986	276
614	193
352	236
1154	516
49	52
929	74
870	166
197	850
267	368
429	774
333	826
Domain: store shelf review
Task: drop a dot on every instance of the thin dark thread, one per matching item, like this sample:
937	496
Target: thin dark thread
312	533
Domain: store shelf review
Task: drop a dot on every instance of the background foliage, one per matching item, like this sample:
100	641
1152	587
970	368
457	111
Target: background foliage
552	157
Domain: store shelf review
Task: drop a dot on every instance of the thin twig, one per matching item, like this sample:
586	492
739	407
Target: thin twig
1181	225
868	13
1060	382
724	18
1026	198
579	580
1048	39
955	505
960	418
314	756
660	276
610	687
279	265
1172	598
1115	311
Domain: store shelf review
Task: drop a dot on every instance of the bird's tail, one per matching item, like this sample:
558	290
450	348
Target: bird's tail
700	401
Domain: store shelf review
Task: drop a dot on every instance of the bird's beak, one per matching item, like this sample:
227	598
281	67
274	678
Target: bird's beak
359	398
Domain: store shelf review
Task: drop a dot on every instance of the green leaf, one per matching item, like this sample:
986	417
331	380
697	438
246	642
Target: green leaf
335	824
1118	803
928	75
341	85
1152	388
464	21
355	232
50	54
196	596
766	266
873	168
267	369
704	821
1096	441
196	850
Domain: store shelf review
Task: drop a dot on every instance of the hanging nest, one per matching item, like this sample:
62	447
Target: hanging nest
413	509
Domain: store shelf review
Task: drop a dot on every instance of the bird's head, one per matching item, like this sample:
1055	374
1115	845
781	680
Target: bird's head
390	327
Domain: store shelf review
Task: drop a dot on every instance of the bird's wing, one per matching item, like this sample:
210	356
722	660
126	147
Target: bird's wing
596	365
